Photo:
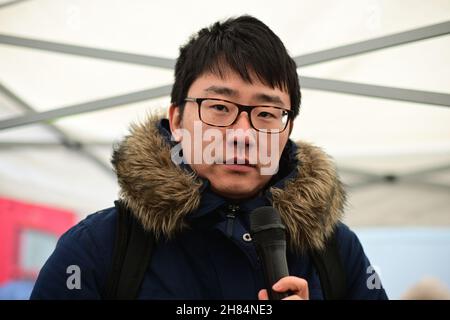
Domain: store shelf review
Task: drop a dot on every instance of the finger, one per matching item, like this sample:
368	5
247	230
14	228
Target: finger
297	285
293	297
262	295
290	283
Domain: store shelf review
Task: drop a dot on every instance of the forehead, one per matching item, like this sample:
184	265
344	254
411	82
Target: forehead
231	86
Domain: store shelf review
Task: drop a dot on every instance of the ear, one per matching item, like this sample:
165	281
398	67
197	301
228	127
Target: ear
175	121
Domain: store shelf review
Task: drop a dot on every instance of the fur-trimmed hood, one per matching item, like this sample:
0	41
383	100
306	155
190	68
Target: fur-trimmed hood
161	194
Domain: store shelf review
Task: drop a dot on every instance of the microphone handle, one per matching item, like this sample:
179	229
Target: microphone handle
275	267
277	295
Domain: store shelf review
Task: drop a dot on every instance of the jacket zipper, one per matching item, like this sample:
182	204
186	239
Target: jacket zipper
231	215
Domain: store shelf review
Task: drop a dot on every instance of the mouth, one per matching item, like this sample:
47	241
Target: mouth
239	165
239	161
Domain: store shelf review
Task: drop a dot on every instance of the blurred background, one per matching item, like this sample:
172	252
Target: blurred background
375	78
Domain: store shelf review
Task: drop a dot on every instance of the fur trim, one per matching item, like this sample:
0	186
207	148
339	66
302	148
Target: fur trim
158	192
313	202
161	194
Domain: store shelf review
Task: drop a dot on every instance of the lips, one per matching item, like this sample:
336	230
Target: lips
239	165
239	162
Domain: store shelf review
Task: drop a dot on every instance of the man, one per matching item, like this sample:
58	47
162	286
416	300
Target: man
193	179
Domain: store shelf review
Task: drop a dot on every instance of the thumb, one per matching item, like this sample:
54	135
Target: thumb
262	295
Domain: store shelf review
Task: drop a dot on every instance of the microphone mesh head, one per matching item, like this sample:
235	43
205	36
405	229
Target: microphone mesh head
265	223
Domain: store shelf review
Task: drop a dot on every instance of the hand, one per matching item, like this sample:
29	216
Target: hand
297	286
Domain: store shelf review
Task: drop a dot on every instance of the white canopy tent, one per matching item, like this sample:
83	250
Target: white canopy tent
375	81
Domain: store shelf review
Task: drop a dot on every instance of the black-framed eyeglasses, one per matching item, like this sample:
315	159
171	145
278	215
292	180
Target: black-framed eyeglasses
224	113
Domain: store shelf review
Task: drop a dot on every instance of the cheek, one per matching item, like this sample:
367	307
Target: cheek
192	141
272	145
283	141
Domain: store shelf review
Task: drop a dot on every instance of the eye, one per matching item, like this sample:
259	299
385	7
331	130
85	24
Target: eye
266	115
219	107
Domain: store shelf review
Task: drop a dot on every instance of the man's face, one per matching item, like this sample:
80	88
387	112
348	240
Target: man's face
234	181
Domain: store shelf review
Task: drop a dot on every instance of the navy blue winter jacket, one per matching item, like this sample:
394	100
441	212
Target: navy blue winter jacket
204	250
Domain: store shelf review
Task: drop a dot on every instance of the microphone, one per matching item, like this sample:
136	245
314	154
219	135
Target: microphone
268	234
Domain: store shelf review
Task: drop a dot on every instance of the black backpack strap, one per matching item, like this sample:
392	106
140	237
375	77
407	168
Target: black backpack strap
132	252
330	269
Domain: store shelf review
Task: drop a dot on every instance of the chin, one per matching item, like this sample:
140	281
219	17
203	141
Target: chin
231	184
236	189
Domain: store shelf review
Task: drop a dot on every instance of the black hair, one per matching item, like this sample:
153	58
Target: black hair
246	46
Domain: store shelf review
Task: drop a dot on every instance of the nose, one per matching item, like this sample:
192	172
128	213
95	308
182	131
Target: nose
242	122
244	133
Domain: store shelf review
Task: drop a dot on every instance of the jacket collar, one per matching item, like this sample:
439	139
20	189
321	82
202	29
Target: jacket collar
162	195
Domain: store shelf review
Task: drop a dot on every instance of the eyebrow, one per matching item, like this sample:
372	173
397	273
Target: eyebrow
260	97
225	91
